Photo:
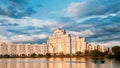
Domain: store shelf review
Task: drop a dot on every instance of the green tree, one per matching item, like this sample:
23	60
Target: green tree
6	56
54	54
48	54
116	52
117	55
33	55
61	54
78	53
67	55
40	55
95	53
102	54
116	49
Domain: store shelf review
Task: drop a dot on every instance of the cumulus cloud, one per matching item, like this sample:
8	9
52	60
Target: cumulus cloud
107	44
112	43
28	21
23	38
29	25
41	36
96	16
27	28
15	8
3	39
73	9
20	38
85	33
106	34
92	7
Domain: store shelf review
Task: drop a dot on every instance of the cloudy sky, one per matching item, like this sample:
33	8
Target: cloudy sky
35	20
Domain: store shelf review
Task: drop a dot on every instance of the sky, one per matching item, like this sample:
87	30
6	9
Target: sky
33	21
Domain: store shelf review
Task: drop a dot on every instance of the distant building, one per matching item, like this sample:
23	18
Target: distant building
3	48
60	41
100	48
22	49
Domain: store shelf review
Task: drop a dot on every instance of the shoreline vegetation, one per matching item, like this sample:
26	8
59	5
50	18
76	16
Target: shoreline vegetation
95	54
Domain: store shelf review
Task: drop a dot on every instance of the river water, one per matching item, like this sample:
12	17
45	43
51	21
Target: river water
56	63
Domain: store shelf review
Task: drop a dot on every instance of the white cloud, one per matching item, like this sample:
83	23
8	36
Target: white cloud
111	43
75	8
85	33
37	23
92	7
3	39
107	44
28	21
20	38
41	36
24	23
96	16
23	38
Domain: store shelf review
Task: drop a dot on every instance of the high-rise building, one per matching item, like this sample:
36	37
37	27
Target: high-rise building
61	41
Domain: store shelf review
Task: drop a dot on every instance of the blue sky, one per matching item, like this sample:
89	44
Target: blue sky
33	21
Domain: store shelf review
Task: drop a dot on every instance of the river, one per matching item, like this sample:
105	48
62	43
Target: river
56	63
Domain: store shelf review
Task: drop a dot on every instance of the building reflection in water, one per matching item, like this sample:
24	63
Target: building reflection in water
49	63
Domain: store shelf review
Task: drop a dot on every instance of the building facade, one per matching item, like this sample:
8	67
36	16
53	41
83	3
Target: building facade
22	49
101	48
61	41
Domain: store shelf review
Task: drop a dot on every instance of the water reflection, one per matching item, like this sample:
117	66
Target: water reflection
55	63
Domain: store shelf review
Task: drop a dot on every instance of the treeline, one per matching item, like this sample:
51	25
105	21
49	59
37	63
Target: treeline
94	53
22	56
114	52
47	55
